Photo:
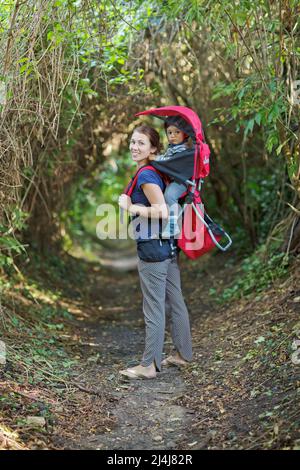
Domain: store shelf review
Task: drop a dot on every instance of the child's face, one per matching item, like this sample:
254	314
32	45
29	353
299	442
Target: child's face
175	135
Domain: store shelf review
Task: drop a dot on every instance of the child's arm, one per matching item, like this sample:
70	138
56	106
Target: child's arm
158	158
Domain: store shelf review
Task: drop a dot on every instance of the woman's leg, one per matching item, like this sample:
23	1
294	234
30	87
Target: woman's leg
153	283
180	324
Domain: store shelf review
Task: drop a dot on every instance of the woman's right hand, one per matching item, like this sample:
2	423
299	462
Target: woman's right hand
125	202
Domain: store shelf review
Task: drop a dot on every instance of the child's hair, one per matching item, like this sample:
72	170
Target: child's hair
152	134
182	125
178	122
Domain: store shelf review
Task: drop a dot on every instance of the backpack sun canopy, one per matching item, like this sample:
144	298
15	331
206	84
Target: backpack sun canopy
193	163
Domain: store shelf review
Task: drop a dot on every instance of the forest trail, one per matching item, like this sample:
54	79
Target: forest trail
144	413
77	80
240	392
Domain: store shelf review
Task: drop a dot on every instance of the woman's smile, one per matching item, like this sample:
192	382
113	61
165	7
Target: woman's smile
140	147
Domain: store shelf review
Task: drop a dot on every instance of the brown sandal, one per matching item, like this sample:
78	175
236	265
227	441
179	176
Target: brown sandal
173	361
132	374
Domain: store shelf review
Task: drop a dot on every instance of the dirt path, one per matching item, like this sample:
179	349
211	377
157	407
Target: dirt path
240	392
144	413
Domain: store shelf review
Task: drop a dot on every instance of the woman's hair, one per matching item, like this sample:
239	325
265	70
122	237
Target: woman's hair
152	134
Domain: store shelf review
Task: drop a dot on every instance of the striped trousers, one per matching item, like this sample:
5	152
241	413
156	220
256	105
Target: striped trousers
161	287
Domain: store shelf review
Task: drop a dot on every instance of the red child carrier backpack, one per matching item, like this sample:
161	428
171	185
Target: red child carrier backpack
199	233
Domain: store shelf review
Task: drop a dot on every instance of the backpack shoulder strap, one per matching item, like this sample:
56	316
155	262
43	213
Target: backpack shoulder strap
132	184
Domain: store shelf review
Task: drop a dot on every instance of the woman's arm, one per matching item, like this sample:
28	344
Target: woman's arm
154	194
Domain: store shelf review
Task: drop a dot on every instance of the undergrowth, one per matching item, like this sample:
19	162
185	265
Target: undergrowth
35	331
255	273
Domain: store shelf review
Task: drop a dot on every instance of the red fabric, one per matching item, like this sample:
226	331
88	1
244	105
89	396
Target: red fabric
186	113
194	239
202	152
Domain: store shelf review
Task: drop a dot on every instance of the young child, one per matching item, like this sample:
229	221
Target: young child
178	142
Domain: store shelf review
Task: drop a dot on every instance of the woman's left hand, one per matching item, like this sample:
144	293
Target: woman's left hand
125	201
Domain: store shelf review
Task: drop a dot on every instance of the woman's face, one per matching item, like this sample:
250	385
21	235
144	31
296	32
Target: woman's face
140	147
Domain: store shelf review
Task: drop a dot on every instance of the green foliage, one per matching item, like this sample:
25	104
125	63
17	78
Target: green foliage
10	246
251	107
260	192
109	47
254	91
41	358
114	177
263	193
257	272
103	187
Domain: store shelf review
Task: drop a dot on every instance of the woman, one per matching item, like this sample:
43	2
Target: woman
157	266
